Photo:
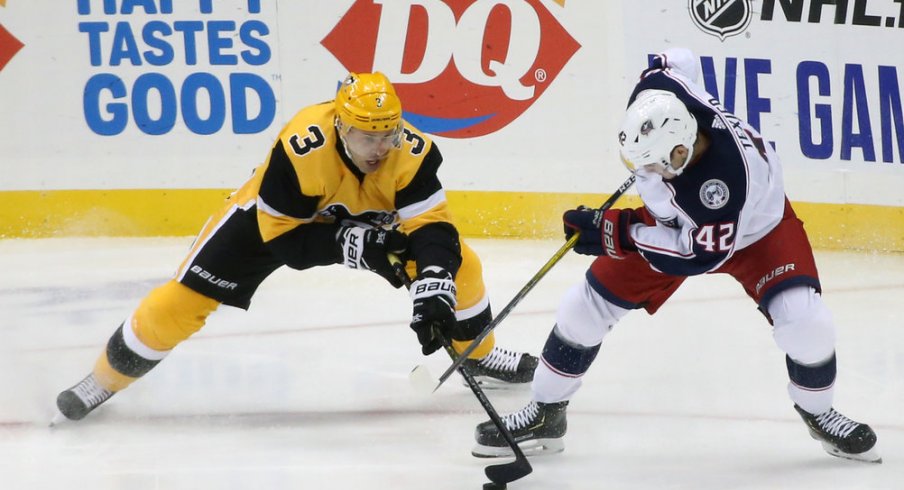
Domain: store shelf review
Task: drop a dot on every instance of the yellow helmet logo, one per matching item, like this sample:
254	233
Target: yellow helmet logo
367	101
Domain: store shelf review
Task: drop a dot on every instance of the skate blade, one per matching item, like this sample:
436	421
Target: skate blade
489	383
869	456
534	447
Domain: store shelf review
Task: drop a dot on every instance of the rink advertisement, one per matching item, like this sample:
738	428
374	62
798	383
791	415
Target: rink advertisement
153	39
449	76
864	91
846	98
135	116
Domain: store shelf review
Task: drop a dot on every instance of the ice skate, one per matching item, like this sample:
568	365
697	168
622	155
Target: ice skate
78	401
538	429
502	368
841	436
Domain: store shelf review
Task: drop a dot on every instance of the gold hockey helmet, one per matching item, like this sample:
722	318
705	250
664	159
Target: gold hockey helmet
367	101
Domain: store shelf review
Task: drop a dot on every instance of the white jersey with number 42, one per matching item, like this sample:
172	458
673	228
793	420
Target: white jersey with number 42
727	200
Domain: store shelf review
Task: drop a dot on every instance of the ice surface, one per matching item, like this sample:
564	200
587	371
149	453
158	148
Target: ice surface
309	389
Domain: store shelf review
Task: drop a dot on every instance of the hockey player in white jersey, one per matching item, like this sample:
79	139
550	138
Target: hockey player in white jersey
714	202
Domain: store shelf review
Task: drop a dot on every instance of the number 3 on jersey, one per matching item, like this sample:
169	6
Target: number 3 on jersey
417	143
716	241
312	141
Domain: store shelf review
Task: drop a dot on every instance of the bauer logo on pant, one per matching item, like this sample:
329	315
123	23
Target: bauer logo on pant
216	281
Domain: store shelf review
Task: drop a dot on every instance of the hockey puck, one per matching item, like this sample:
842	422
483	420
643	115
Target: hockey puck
494	486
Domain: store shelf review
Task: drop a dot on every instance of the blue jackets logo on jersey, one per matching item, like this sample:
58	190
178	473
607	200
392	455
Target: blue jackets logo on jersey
720	18
714	194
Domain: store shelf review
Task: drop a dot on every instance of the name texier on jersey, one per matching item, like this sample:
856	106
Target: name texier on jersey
725	201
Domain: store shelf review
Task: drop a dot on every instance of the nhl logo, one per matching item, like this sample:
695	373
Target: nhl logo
721	18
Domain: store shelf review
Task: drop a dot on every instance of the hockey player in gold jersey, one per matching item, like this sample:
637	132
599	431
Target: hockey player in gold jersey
347	181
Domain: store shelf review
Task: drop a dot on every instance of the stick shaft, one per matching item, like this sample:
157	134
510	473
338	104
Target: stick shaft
528	287
502	473
523	466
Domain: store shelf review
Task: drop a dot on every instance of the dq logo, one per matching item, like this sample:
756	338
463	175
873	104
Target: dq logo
9	45
463	68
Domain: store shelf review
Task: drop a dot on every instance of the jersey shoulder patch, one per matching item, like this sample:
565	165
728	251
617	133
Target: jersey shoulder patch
714	194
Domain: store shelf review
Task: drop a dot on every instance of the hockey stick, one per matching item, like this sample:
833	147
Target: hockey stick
457	362
504	472
498	473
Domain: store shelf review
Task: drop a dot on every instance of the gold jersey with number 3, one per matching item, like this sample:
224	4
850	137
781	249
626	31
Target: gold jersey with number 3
306	180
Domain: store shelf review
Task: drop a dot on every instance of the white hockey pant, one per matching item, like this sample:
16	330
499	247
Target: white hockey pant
805	331
582	320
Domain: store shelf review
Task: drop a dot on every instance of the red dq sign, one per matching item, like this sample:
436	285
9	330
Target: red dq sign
463	68
9	46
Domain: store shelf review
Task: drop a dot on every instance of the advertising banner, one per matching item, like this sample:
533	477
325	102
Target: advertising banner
523	97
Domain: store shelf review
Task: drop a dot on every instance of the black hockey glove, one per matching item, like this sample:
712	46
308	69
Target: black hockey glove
368	249
433	298
602	232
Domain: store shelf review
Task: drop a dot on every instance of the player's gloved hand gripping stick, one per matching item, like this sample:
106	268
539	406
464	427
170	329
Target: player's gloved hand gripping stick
499	474
456	364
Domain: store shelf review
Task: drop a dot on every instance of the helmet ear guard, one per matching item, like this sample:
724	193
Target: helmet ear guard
653	125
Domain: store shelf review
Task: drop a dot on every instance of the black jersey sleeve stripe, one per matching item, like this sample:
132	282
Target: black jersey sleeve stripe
280	188
436	244
425	182
307	246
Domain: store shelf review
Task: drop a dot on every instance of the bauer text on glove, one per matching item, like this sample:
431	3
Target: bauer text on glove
601	232
367	249
433	303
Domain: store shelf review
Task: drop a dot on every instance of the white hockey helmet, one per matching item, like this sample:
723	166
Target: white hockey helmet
653	125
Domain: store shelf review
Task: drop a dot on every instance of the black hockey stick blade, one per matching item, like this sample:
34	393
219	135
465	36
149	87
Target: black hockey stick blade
497	473
508	472
528	287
